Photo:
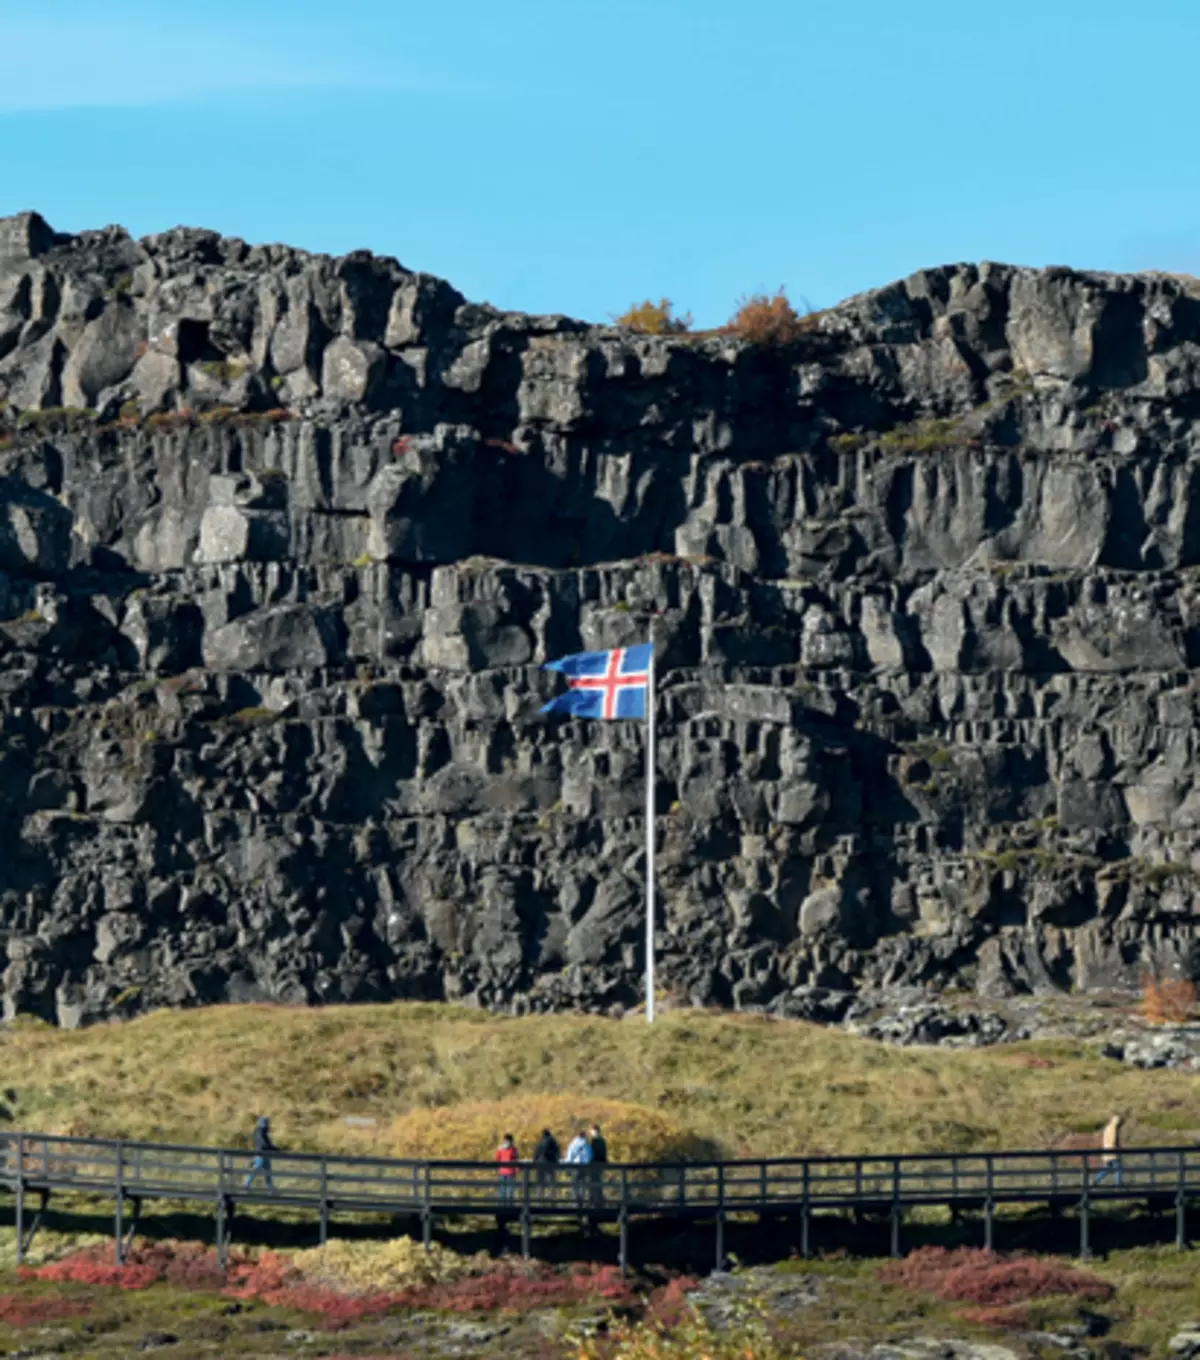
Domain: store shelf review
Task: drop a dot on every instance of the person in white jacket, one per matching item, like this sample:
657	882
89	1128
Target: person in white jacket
579	1155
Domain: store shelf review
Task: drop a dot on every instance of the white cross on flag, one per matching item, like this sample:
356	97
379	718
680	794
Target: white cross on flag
604	685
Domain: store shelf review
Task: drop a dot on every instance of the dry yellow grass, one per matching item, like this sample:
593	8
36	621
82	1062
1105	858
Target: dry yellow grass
757	1086
474	1129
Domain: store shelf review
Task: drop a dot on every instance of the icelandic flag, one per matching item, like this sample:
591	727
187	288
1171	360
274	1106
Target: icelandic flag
604	685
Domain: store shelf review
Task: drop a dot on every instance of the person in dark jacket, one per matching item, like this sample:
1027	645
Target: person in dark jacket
262	1146
599	1158
545	1158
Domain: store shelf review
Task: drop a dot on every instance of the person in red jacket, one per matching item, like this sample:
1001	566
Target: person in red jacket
507	1158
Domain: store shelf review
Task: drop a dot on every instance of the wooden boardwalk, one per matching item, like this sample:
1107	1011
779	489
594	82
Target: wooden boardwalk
792	1188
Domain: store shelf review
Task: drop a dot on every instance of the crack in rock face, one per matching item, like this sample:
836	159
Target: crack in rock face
284	540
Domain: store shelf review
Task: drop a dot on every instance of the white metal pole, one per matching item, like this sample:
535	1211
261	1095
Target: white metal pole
650	843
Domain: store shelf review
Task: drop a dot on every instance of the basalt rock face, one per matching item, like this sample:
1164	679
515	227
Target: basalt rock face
284	540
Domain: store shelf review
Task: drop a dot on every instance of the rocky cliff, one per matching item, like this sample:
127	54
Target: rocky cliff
284	539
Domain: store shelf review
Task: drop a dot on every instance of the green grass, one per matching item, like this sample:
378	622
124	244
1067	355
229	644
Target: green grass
753	1085
924	436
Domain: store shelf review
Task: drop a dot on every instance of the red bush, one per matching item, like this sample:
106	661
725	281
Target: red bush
521	1290
186	1264
274	1280
668	1305
1014	1318
970	1275
16	1312
95	1266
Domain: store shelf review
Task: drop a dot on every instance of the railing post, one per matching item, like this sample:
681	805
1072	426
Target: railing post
804	1214
1085	1247
989	1204
20	1193
762	1187
427	1211
1181	1204
526	1223
623	1222
118	1224
222	1237
324	1230
720	1215
896	1206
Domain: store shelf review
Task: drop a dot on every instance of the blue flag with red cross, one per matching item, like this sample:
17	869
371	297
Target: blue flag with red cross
604	685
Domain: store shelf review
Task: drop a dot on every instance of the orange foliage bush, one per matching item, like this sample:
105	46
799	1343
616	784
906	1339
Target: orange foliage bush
655	318
1167	1003
972	1275
766	320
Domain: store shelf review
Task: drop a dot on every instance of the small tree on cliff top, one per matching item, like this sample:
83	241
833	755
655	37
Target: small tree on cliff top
655	318
765	319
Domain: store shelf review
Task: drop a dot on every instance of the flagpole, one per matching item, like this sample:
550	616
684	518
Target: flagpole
650	843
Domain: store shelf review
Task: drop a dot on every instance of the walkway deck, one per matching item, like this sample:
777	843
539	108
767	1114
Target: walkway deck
792	1188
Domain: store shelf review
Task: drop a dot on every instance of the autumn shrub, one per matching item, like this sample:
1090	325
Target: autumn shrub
18	1312
187	1265
764	319
48	1245
471	1131
747	1335
1171	1002
973	1275
276	1280
95	1266
655	318
1013	1317
668	1306
394	1264
524	1289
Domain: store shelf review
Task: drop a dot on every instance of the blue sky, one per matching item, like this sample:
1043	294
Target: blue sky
578	155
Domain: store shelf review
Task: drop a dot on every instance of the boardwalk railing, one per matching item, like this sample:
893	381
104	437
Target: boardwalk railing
797	1186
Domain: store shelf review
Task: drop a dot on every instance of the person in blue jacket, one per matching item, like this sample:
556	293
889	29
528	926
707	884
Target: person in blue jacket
579	1158
262	1146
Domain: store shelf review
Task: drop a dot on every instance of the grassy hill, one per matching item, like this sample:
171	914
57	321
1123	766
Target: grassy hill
449	1080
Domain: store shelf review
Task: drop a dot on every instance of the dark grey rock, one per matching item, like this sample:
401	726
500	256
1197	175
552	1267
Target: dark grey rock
923	587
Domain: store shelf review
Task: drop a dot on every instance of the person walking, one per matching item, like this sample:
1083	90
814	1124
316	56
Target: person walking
506	1162
546	1157
1110	1141
261	1165
579	1157
599	1159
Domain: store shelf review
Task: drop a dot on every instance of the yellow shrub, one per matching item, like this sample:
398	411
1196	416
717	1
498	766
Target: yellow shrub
47	1246
655	318
397	1264
473	1131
